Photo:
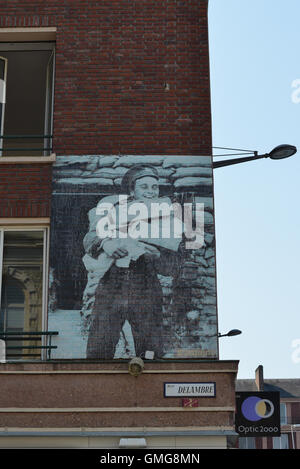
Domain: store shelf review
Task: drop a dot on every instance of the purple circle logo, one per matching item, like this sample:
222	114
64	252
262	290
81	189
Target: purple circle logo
254	408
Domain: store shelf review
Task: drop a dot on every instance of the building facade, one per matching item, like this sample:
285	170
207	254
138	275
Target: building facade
101	100
289	390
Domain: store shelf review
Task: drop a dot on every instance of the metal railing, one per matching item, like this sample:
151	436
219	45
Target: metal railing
46	147
28	337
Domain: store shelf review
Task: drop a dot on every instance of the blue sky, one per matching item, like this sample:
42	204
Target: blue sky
254	60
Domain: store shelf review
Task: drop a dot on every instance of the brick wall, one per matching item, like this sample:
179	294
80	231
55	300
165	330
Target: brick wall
132	77
25	190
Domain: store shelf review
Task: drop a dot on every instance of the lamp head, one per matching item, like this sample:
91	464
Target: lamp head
234	332
282	151
230	333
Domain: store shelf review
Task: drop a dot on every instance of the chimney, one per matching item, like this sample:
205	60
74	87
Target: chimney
259	378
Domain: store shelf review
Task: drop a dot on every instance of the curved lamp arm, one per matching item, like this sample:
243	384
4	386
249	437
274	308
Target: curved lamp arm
278	153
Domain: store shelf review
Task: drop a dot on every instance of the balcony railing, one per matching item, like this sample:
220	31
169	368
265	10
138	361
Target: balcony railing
24	145
20	350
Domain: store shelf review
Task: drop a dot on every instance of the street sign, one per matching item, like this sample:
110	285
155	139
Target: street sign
190	389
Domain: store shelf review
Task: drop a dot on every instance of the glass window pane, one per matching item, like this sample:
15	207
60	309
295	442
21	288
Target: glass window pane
284	441
247	443
26	100
251	443
22	288
242	443
281	442
276	442
283	419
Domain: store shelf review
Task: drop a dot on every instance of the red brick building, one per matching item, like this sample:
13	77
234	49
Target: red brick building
96	78
289	390
151	94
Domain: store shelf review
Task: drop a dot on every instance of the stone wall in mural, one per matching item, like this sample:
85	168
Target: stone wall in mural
132	257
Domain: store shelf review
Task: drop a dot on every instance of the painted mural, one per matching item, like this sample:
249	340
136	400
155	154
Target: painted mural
132	258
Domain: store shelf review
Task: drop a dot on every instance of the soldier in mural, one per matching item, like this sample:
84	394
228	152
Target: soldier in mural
128	287
119	285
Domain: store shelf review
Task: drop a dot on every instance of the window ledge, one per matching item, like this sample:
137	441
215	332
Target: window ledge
24	222
27	34
28	159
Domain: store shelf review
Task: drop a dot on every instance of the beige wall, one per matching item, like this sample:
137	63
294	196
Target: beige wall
89	405
153	442
75	395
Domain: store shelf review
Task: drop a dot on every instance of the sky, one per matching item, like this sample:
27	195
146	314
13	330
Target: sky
255	97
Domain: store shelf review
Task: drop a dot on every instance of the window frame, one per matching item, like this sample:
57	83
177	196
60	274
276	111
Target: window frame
33	45
283	413
45	275
3	102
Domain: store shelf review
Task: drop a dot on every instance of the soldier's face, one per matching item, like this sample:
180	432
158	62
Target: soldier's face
146	188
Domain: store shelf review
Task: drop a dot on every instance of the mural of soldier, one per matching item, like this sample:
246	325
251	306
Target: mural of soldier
129	288
116	290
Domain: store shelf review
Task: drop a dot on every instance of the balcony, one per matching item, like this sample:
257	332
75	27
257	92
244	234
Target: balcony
18	345
25	145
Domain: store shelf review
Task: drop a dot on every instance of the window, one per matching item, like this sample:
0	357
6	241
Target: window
26	98
247	443
283	416
281	442
22	287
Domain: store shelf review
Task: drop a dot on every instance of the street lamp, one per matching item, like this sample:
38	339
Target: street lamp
278	153
231	333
